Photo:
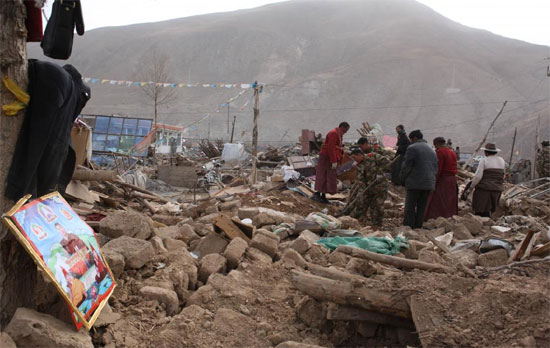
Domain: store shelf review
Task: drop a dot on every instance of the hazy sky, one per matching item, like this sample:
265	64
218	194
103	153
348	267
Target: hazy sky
527	20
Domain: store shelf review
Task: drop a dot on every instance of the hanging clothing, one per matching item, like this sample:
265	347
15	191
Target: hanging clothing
443	201
43	160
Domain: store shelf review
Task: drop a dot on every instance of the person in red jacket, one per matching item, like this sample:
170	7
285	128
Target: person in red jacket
443	201
329	157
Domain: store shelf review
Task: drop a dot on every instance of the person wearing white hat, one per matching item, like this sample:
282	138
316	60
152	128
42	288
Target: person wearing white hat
488	181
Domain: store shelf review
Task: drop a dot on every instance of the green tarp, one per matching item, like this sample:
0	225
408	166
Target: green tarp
375	244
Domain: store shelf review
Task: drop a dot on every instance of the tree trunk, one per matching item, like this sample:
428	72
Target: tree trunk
353	294
17	270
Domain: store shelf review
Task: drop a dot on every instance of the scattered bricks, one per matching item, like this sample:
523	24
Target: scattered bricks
158	245
123	223
234	252
212	209
209	264
29	328
168	297
466	257
136	252
6	341
234	204
174	244
211	244
258	256
361	267
461	232
115	261
349	223
248	213
292	257
311	312
265	241
493	258
304	241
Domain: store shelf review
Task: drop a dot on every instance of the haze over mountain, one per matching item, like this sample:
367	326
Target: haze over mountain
384	61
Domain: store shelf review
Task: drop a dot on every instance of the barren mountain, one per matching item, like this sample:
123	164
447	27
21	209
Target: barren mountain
385	61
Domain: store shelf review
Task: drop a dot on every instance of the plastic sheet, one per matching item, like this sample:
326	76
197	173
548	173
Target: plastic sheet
374	244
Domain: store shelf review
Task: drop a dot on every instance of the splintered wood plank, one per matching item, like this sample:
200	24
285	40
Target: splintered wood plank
224	224
427	316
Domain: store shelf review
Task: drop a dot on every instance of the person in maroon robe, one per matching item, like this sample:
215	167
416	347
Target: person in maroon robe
329	157
443	201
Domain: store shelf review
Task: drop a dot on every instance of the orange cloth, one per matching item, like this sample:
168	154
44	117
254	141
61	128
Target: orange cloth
78	291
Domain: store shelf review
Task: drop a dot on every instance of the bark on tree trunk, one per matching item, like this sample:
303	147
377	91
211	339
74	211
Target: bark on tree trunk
17	270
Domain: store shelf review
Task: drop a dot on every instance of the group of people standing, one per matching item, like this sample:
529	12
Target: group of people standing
428	175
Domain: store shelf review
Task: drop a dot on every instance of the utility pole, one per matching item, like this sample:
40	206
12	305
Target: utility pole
228	105
257	91
209	121
486	134
512	151
233	129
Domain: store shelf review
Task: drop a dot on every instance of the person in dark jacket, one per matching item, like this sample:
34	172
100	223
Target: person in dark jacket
488	181
418	174
402	144
43	160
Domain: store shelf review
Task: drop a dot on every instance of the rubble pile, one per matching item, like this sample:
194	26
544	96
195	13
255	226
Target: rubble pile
233	264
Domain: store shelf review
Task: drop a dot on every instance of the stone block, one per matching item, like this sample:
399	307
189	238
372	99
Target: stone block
361	267
235	251
493	258
248	213
136	252
258	256
349	223
304	242
29	328
168	297
124	223
430	257
294	258
265	241
212	209
115	261
473	224
6	341
209	264
236	203
311	312
461	232
211	244
466	257
207	219
158	245
174	244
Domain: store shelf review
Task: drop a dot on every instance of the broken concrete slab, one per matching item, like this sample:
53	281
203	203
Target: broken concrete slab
265	241
169	298
493	258
136	252
29	328
209	264
211	244
126	223
235	251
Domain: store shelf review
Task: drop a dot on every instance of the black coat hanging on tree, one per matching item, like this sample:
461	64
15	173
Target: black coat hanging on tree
58	36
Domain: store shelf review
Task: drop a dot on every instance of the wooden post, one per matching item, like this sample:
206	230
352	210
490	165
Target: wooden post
257	89
228	105
512	151
233	129
534	163
486	134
